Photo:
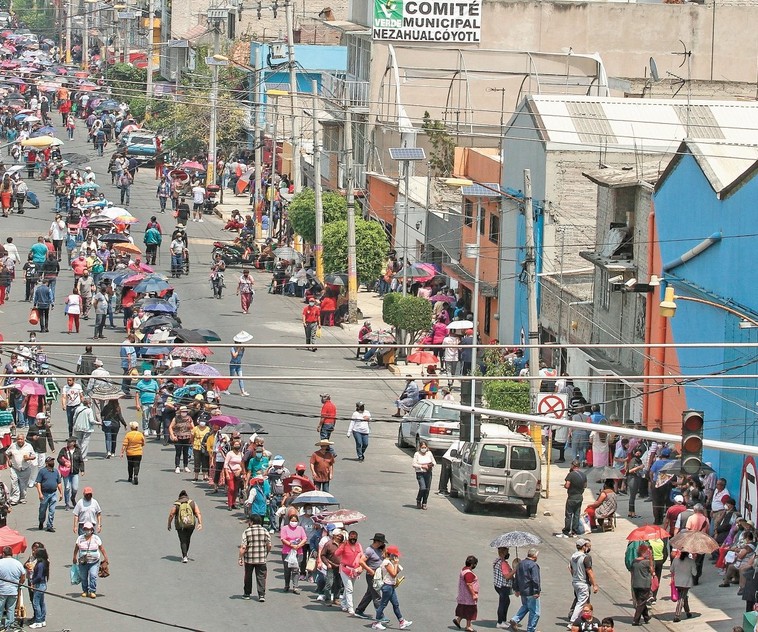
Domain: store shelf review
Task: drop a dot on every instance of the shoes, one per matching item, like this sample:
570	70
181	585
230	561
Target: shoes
418	504
201	220
50	529
84	594
423	506
378	626
261	599
136	481
245	394
405	624
360	615
177	470
320	598
129	480
92	595
296	591
185	559
186	469
40	624
246	597
42	526
676	619
561	535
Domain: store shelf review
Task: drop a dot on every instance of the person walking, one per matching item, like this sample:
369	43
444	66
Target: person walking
311	323
186	516
359	429
12	575
113	419
43	300
254	550
371	560
328	418
322	465
683	572
350	553
100	303
293	539
527	584
582	578
503	579
390	570
73	309
88	553
642	580
70	466
87	509
132	446
38	583
233	471
237	353
246	290
180	433
21	457
468	595
574	483
634	475
49	488
423	463
84	424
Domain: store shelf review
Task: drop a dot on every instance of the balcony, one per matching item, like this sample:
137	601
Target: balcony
347	91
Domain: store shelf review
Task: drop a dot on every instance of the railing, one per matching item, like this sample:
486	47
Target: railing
348	91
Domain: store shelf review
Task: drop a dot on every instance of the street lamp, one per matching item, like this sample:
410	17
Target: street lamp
406	155
478	190
276	94
668	306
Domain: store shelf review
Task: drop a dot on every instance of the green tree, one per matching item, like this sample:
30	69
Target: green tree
412	314
37	19
389	307
302	212
371	248
442	157
507	395
127	82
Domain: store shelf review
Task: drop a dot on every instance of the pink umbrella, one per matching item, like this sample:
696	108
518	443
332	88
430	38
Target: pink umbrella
129	128
133	280
141	268
192	165
29	387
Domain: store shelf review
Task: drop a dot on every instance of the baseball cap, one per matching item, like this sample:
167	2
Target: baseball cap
88	525
41	416
147	372
393	550
50	459
330	527
580	543
277	460
678	498
300	466
87	490
98	362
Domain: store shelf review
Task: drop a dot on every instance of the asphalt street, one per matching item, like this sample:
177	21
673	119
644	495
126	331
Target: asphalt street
150	589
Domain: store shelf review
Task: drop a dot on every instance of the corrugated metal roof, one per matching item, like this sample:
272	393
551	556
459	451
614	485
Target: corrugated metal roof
614	178
724	165
570	122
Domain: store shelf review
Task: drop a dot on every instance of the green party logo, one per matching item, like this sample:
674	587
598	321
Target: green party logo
390	9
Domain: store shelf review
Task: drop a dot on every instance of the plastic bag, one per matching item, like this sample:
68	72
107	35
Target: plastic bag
291	559
76	578
34	316
318	332
674	591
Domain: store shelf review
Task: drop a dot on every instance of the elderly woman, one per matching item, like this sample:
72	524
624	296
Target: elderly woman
683	571
133	445
87	555
604	506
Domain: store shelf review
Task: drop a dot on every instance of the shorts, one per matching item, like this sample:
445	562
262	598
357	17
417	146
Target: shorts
197	207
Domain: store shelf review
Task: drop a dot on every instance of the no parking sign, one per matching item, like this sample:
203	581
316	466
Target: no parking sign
552	404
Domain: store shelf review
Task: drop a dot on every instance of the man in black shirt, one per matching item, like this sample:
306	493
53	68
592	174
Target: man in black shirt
575	483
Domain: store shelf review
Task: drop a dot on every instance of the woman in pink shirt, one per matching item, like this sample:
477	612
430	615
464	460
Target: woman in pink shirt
293	538
350	553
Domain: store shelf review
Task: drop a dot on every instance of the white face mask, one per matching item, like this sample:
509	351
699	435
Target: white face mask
423	450
293	523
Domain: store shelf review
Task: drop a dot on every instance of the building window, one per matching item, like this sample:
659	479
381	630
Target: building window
482	221
604	290
468	212
487	314
494	228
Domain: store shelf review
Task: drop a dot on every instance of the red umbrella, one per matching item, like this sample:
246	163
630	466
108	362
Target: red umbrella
423	357
141	268
224	420
29	387
178	174
133	280
648	532
305	483
13	539
192	165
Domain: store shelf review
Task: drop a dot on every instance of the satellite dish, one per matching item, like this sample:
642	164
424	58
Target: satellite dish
653	69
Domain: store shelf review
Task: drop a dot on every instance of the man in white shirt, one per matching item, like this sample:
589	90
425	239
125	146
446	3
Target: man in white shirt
11	249
21	457
717	502
198	199
72	397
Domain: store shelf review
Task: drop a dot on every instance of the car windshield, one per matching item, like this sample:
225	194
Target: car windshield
141	140
446	414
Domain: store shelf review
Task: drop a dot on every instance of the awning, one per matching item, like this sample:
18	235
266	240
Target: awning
347	27
602	366
462	275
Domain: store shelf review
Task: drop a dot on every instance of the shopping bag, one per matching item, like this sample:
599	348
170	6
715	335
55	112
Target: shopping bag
674	590
291	559
584	524
20	607
654	583
75	576
34	316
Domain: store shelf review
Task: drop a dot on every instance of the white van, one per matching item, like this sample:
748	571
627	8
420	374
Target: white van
503	467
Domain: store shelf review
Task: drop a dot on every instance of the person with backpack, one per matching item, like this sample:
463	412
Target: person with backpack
276	475
185	514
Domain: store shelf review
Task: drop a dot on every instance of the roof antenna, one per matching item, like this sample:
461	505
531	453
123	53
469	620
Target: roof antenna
686	58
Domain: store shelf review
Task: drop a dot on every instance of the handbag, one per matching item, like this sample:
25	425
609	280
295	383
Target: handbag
730	557
104	569
310	565
674	590
654	583
34	316
65	470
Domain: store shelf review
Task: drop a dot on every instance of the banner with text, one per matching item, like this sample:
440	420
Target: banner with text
455	21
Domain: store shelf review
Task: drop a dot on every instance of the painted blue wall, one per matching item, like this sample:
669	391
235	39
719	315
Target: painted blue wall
687	211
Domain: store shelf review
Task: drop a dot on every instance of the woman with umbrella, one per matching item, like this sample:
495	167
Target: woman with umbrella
683	572
503	574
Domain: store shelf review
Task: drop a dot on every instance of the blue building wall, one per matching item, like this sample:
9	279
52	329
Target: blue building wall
687	211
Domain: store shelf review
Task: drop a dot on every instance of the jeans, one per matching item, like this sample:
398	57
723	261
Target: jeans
235	370
70	488
580	443
322	485
389	595
88	573
53	281
370	596
573	511
326	431
8	609
529	605
503	603
424	480
100	324
177	264
47	507
332	584
260	571
38	603
361	443
111	436
44	316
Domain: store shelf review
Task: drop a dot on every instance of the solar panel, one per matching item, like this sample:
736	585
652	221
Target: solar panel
485	190
407	153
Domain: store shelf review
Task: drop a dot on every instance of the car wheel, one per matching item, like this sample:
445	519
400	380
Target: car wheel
400	436
453	492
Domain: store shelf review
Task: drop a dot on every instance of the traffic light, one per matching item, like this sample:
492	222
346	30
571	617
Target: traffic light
692	441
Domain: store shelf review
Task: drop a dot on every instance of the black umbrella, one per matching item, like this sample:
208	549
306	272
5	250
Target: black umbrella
336	278
110	104
208	335
159	321
188	335
114	238
75	159
249	427
173	371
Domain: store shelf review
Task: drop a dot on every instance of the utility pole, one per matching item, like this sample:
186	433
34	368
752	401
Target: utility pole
150	44
216	17
273	167
475	329
318	248
68	32
530	265
406	206
352	267
296	179
257	130
85	39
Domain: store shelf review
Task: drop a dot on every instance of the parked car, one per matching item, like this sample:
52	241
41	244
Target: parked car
140	144
432	421
503	467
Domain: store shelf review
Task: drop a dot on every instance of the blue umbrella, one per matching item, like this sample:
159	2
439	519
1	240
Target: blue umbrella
148	285
116	276
158	305
20	117
158	351
188	392
43	131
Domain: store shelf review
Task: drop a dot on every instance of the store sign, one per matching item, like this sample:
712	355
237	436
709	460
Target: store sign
425	21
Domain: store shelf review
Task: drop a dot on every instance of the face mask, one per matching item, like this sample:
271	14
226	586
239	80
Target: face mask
586	616
259	453
506	556
311	304
293	523
352	540
423	450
